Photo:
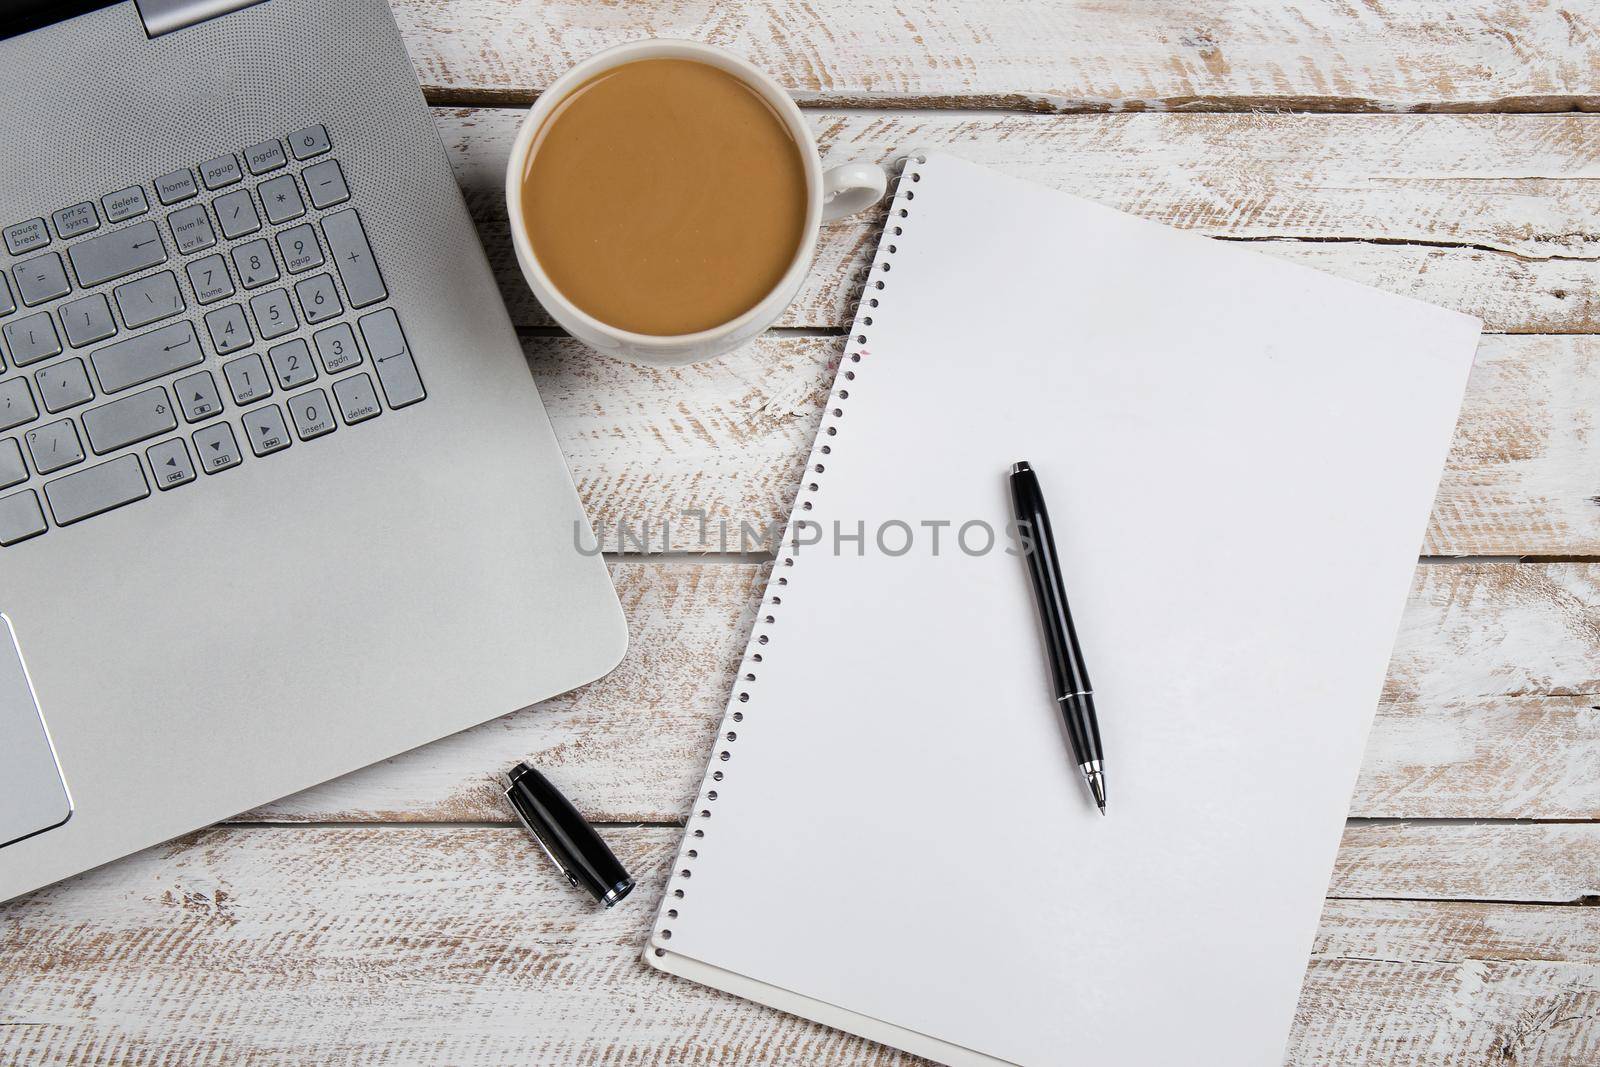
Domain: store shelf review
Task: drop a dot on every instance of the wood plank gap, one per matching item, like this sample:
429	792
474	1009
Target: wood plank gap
1027	103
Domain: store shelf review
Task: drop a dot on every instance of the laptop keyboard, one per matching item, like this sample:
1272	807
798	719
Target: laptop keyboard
108	308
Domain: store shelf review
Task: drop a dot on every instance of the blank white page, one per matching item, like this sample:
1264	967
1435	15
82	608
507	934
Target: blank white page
1239	457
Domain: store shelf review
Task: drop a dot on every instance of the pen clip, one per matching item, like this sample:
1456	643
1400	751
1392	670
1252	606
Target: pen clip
546	849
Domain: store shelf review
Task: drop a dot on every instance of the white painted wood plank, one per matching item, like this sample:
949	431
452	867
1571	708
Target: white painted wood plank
1465	732
1126	55
728	438
1491	215
459	945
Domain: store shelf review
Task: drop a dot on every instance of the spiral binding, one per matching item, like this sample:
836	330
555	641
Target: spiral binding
816	466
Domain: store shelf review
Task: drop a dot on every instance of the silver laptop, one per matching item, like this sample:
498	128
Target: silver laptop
279	498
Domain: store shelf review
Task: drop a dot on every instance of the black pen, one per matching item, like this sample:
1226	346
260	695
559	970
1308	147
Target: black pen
566	836
1074	695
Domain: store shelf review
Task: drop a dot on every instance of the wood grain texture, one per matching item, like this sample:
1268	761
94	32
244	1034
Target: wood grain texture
461	945
654	449
1485	714
1492	215
1052	55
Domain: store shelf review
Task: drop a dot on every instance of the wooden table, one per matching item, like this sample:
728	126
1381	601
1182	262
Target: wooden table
396	916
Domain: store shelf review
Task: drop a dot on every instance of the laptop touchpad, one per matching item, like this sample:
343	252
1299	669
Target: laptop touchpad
33	798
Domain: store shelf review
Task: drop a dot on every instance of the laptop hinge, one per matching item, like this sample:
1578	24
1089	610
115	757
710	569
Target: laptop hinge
164	16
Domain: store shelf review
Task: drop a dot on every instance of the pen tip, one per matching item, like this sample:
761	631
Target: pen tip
1102	809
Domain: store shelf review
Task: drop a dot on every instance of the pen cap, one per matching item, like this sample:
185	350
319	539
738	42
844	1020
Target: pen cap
566	837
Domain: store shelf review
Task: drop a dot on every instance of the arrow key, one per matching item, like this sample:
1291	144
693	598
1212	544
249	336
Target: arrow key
216	448
170	462
266	429
198	398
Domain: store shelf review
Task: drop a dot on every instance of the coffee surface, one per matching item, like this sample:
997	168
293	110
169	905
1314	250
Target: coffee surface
664	197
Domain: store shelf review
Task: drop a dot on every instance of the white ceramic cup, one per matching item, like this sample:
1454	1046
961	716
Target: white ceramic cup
831	194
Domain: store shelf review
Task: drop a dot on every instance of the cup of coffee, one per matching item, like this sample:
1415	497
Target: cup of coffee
665	199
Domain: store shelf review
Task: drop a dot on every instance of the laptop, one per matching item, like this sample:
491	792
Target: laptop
278	498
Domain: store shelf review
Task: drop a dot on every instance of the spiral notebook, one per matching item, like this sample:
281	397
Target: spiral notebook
1240	456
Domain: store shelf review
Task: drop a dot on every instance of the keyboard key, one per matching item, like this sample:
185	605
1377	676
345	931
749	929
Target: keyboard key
337	347
266	430
96	490
149	299
347	242
228	328
76	220
325	182
263	157
217	448
7	304
191	229
197	394
12	470
54	445
210	279
274	314
117	254
291	362
125	203
88	320
21	517
64	385
151	355
254	263
178	185
128	421
16	404
32	338
26	236
299	248
247	379
312	416
319	298
221	171
391	358
236	212
281	198
41	278
358	401
170	462
311	141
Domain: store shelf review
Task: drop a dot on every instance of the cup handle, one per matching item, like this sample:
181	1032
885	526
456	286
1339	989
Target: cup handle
850	187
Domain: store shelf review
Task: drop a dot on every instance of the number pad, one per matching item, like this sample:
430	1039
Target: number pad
281	198
210	279
254	263
236	214
229	331
312	416
197	395
325	183
274	315
54	446
300	249
191	229
291	362
247	379
319	298
337	347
